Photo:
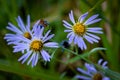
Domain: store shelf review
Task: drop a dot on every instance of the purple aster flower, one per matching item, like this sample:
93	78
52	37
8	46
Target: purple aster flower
78	31
22	29
34	47
92	73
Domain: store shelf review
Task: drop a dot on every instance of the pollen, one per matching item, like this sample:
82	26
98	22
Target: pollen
36	45
79	29
27	35
97	76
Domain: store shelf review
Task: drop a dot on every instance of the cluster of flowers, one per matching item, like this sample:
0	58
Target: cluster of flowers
31	42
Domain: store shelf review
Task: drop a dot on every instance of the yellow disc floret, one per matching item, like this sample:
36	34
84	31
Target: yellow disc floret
97	76
79	29
27	35
36	45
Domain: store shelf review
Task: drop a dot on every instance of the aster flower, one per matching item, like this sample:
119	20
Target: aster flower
78	31
92	73
34	47
17	31
22	29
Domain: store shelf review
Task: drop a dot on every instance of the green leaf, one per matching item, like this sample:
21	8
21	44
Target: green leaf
97	49
27	71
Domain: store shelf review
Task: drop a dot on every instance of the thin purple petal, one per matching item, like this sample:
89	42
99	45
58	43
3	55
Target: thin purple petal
81	43
82	77
69	34
69	27
45	55
94	36
92	22
65	22
89	39
83	71
71	17
30	60
21	24
91	18
93	31
95	28
68	30
72	36
51	44
82	17
49	37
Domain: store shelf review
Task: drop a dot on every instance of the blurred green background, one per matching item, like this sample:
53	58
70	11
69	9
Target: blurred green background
54	11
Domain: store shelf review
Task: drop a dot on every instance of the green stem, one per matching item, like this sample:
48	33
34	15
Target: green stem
69	50
96	5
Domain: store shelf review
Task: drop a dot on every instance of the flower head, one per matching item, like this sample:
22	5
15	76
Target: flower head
34	47
22	29
92	73
30	41
79	30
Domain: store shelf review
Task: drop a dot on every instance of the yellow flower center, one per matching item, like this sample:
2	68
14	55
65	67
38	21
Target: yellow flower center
97	76
27	35
79	29
36	45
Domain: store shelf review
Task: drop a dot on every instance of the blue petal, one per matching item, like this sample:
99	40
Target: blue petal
36	59
25	57
68	30
105	78
41	32
30	60
91	18
82	17
71	38
100	61
69	34
46	35
35	26
71	17
94	36
81	43
69	27
49	37
89	39
94	31
28	22
83	77
21	24
92	22
13	28
83	71
45	55
51	44
33	60
104	64
75	39
65	22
